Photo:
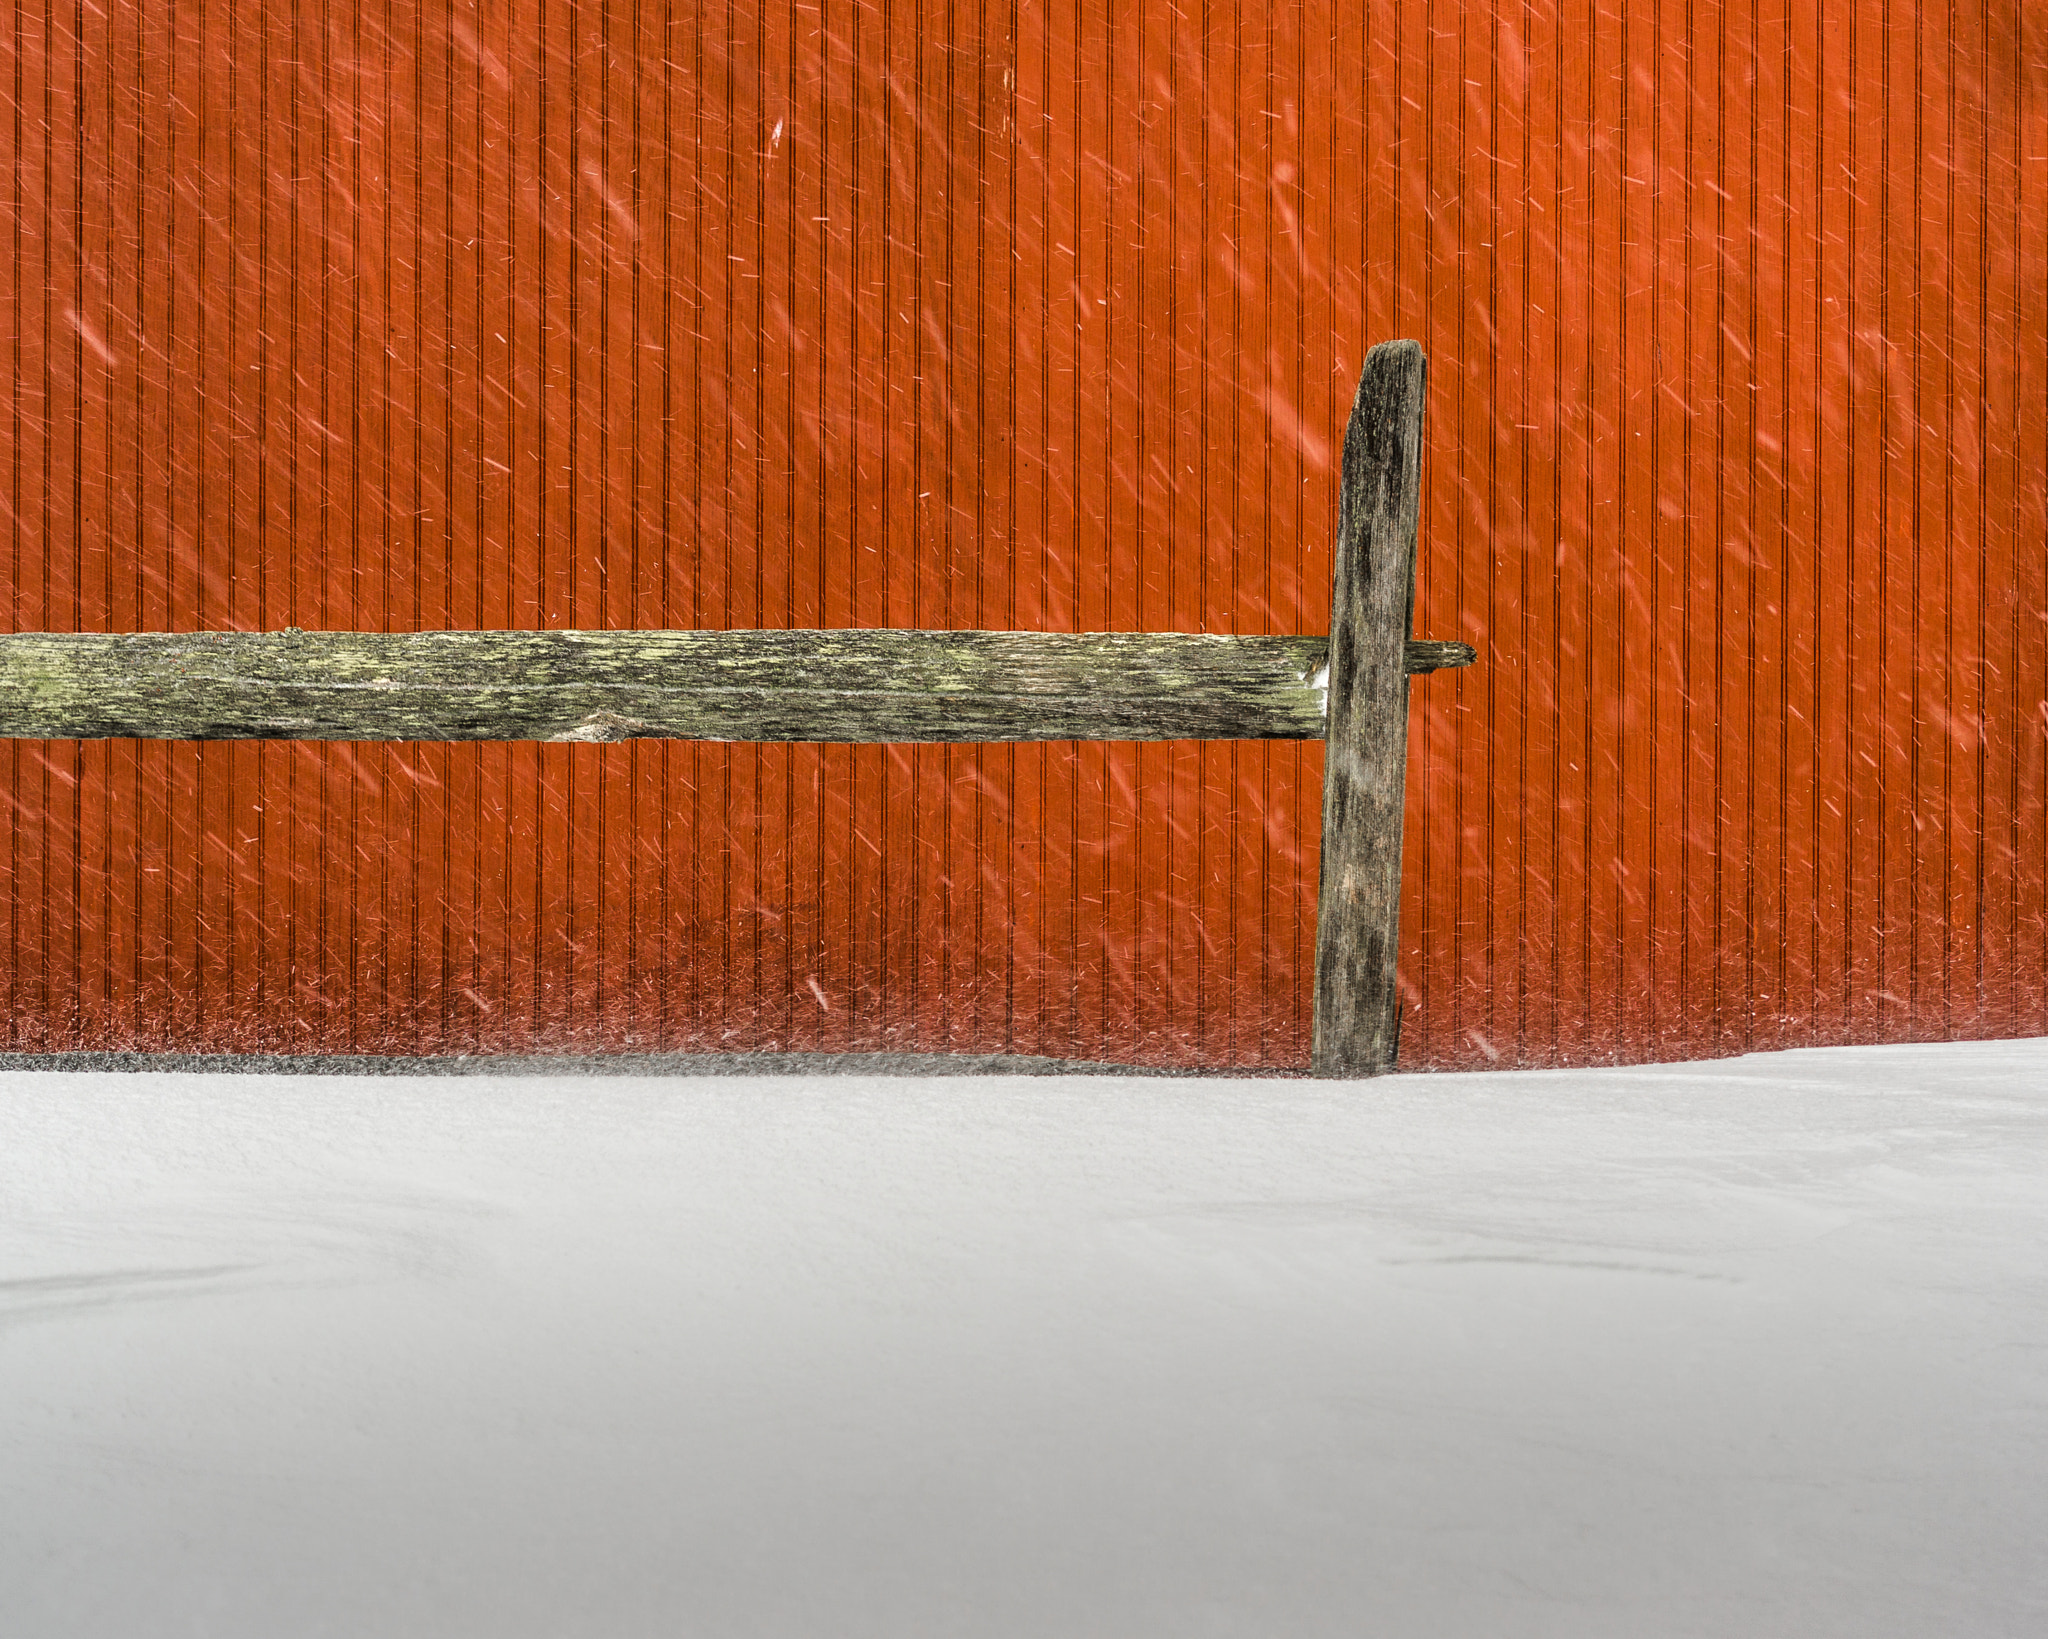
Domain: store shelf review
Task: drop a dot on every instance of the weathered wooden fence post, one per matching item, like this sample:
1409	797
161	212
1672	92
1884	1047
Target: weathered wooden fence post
1358	903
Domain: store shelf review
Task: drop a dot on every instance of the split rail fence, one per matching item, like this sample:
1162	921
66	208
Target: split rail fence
1349	689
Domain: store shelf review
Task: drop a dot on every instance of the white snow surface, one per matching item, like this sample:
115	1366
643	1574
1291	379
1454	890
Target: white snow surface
1754	1348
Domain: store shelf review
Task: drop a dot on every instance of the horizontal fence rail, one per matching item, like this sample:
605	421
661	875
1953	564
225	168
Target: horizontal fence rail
864	686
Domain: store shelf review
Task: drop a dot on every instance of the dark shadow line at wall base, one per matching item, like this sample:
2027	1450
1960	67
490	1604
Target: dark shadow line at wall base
615	1064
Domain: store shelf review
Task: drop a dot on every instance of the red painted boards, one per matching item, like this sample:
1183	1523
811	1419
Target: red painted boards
622	313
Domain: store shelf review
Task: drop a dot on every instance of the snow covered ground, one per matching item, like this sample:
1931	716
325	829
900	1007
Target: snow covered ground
1753	1348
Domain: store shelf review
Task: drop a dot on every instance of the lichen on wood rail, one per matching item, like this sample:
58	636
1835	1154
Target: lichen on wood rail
841	686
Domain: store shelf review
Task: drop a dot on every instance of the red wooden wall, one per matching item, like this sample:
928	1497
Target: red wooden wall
410	313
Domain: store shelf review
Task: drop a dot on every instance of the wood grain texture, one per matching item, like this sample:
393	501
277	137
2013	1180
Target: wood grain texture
1358	904
774	686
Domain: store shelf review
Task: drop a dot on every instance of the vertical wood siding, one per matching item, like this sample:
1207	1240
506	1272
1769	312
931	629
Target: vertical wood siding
613	313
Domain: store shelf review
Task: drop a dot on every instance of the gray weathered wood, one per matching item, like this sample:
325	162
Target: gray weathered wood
1358	906
778	685
1430	654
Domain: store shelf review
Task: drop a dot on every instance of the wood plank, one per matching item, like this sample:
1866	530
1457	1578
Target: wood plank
845	686
1358	907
